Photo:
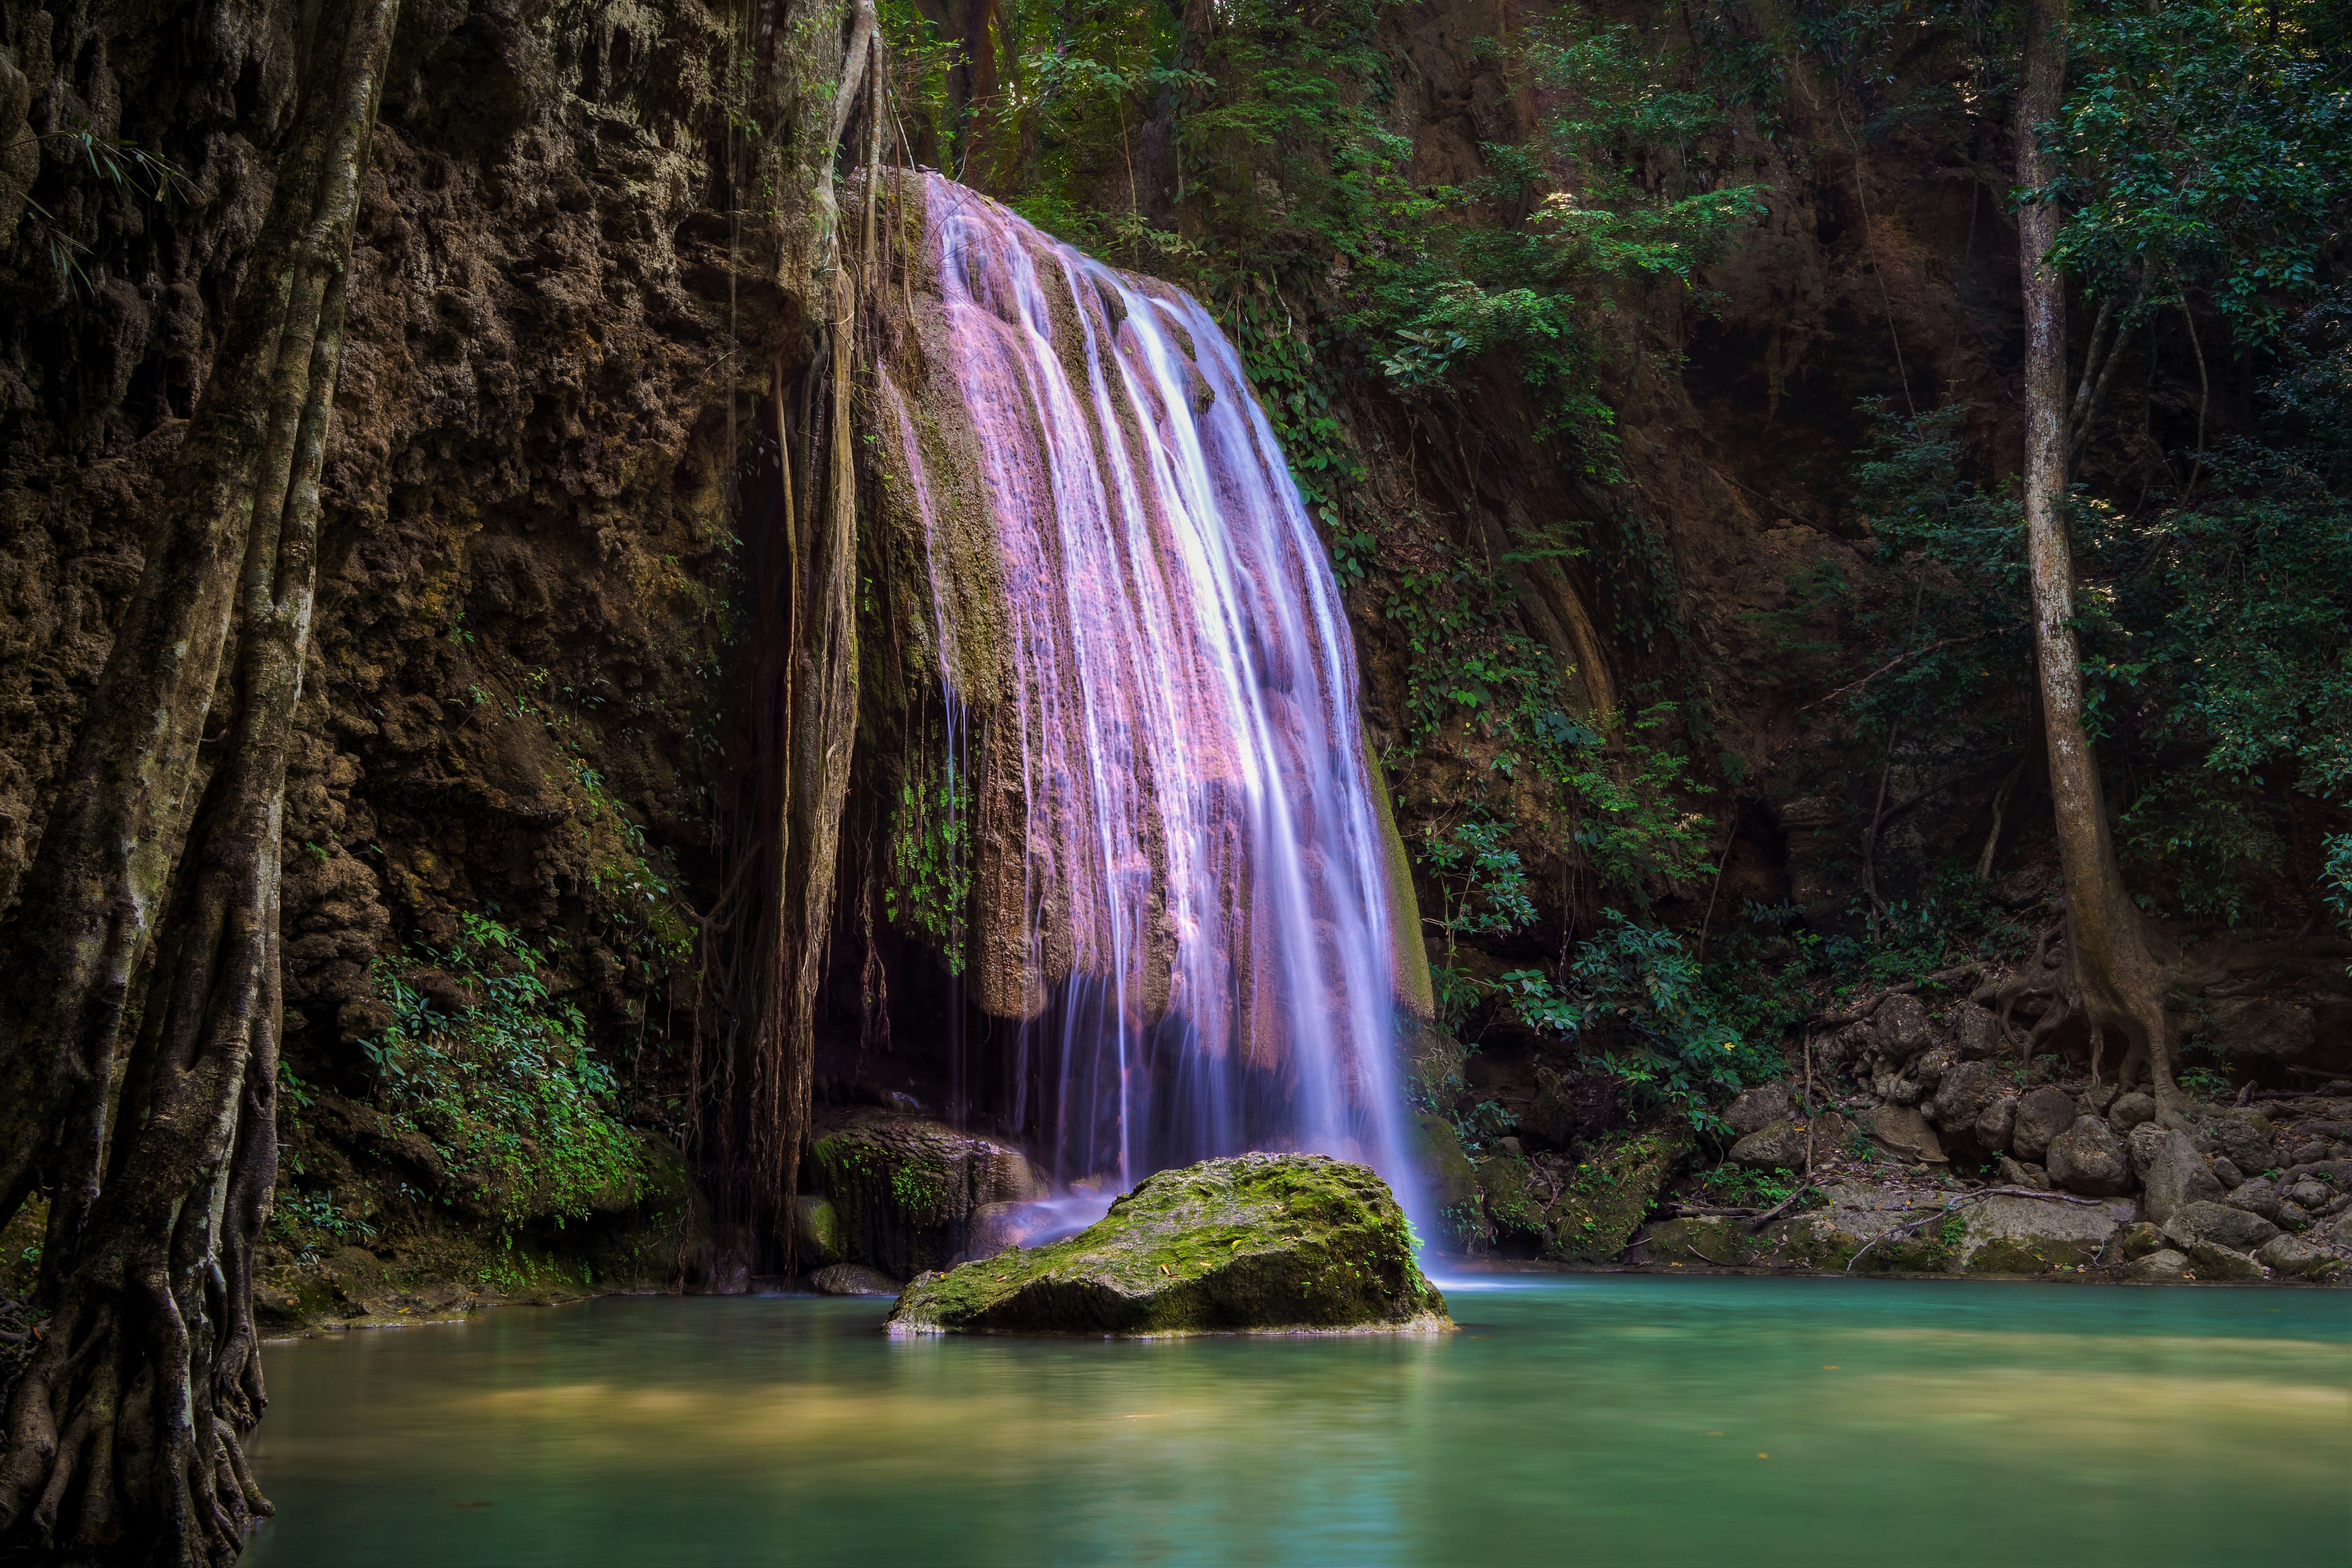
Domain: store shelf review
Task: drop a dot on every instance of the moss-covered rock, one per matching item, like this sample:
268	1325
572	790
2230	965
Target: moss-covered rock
1283	1242
1453	1182
1614	1186
904	1190
1513	1205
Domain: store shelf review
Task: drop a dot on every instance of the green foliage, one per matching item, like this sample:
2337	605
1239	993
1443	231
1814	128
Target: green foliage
307	1221
2217	636
507	1089
1482	891
1731	1185
2208	145
931	857
1640	994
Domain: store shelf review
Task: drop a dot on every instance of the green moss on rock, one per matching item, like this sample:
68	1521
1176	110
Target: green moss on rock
904	1190
1268	1242
1615	1184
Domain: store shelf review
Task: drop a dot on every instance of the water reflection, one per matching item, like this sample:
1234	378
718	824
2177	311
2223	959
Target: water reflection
1590	1420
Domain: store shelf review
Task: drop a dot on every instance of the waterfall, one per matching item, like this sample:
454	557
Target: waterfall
1196	893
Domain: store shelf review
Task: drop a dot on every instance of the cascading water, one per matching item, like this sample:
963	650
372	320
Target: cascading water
1201	908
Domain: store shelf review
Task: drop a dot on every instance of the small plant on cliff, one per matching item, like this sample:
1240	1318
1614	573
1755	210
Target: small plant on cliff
930	859
506	1088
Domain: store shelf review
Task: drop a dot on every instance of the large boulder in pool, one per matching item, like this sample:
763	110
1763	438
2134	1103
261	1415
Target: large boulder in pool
1268	1242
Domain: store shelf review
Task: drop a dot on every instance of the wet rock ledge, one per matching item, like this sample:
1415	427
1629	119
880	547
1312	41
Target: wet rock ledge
1294	1243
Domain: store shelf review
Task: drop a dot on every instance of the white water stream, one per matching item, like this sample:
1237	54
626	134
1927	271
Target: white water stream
1184	695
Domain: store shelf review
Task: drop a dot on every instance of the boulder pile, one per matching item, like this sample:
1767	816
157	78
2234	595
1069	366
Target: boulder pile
1949	1157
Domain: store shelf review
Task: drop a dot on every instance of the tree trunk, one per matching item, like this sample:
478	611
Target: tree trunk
2122	985
806	696
122	1434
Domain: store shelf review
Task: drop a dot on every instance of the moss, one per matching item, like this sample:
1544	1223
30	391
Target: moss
1615	1186
1511	1204
1263	1241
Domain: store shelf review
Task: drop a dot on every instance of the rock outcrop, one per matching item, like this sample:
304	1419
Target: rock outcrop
1299	1243
905	1191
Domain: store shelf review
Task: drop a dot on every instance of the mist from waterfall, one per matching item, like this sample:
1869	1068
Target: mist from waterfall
1204	890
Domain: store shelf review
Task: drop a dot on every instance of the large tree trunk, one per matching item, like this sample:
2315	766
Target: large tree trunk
2121	984
122	1434
805	696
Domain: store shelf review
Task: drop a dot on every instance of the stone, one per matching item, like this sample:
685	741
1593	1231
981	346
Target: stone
2041	1116
1756	1108
1903	1132
2007	1234
1453	1182
2088	1159
2292	1216
1512	1206
1900	1026
816	1231
2309	1153
1778	1147
2257	1196
1929	1068
851	1279
2292	1254
1895	1088
2219	1223
1996	1121
2141	1238
1605	1195
2129	1110
2309	1195
1965	1092
2018	1173
1281	1242
2164	1267
2241	1134
2225	1172
2259	1026
906	1188
2211	1260
2339	1234
1976	1031
2171	1172
2098	1097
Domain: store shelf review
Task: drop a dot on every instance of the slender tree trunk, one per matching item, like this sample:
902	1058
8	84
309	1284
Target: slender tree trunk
2108	940
124	1432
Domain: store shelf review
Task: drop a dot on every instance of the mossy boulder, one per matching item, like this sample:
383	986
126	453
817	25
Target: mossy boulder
905	1190
1264	1242
1613	1187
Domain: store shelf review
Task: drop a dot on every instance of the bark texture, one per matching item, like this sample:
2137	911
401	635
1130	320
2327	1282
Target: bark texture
123	1431
2120	983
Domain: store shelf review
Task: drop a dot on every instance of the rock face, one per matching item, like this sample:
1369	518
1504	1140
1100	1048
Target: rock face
851	1279
1758	1107
1905	1131
1296	1242
2219	1224
2087	1158
2041	1116
1964	1095
2029	1236
905	1190
2171	1170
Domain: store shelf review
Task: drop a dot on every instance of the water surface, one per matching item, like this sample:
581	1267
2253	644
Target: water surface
1593	1419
